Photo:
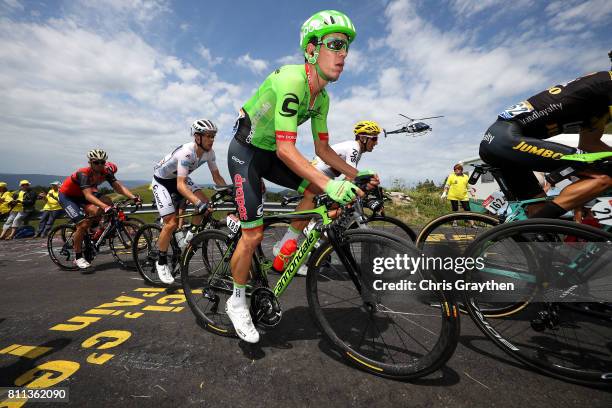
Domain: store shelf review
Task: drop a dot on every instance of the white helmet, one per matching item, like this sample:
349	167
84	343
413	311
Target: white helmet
203	126
97	154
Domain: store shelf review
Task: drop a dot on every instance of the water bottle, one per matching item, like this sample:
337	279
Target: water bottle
284	255
179	235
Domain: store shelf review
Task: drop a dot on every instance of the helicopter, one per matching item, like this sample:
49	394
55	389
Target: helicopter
414	126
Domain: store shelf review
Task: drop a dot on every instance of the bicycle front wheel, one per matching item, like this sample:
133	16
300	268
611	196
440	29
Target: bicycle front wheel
121	243
389	332
391	226
556	267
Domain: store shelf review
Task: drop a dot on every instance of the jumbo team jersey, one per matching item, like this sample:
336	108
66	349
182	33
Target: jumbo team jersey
349	151
183	161
85	178
281	104
564	108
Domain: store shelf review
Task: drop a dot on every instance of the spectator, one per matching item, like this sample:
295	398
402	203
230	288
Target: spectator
456	189
22	205
5	198
51	210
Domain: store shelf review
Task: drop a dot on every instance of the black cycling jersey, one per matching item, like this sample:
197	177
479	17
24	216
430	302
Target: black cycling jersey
564	108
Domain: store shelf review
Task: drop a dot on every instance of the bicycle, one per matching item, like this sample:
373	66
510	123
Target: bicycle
145	252
117	232
558	321
376	218
340	283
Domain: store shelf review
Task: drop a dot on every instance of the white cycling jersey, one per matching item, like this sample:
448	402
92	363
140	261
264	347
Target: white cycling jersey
349	151
183	161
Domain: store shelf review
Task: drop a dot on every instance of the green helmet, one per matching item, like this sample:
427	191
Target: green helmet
323	23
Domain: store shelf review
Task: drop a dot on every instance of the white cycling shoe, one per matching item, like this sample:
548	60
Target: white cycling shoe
243	324
164	274
82	263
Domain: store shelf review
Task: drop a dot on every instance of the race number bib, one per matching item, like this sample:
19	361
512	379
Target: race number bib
603	210
496	203
233	223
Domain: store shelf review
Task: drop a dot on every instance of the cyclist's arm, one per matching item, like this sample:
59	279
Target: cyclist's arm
217	178
331	158
121	189
89	196
590	141
214	170
185	191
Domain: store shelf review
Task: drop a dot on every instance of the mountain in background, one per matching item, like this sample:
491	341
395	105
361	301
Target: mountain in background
45	179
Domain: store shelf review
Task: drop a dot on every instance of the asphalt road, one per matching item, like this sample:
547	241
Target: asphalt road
113	341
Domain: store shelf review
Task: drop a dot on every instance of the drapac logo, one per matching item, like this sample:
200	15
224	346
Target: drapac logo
242	212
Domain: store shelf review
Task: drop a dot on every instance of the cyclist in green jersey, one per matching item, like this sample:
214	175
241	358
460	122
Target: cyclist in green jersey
264	144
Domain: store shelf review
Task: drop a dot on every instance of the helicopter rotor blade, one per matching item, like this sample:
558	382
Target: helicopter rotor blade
431	117
410	119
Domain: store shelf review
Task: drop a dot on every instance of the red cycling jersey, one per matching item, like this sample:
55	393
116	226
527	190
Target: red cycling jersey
85	178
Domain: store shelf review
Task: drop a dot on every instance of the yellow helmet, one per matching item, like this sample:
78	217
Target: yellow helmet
2	184
22	182
366	128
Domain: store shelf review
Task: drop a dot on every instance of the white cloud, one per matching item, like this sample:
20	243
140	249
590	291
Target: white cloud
207	56
257	66
470	7
12	5
66	88
574	16
292	59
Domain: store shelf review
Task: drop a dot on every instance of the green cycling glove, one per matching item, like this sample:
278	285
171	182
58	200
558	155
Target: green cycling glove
342	192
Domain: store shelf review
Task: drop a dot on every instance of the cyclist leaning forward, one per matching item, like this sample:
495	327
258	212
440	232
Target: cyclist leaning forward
516	141
80	198
171	183
264	144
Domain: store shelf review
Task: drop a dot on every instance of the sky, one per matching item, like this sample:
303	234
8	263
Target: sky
129	76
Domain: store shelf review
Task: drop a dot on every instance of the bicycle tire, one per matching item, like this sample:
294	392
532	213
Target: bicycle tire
435	224
566	358
60	246
326	310
208	285
145	253
399	228
121	244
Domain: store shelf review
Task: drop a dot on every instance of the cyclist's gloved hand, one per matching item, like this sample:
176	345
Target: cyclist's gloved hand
342	192
137	200
201	207
367	175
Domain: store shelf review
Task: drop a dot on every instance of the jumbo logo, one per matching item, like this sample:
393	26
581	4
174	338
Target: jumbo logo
531	149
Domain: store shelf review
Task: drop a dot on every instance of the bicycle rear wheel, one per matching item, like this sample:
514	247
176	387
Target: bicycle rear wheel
391	333
145	253
60	245
568	267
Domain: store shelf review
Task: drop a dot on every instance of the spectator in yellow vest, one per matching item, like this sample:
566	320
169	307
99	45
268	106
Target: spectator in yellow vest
5	198
51	210
456	189
22	205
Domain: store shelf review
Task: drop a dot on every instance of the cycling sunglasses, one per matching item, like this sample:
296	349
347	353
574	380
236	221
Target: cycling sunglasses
98	162
335	44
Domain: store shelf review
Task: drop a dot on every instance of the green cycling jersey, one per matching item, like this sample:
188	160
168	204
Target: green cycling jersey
281	104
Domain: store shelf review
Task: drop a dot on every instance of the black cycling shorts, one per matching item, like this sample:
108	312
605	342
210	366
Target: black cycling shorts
518	156
248	166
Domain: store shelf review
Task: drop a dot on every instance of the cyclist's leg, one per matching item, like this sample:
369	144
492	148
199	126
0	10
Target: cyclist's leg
77	210
517	156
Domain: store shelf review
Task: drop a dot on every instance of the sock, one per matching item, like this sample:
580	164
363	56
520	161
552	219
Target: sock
78	255
163	258
238	298
290	234
549	210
